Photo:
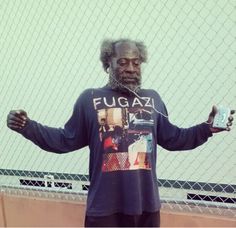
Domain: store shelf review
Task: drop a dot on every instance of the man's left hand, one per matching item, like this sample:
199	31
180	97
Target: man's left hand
211	119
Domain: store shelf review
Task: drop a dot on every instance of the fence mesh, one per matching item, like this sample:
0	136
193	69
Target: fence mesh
50	54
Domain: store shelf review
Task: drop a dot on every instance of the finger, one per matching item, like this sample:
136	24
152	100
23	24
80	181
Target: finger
231	118
229	124
19	112
213	111
14	126
228	129
16	118
21	115
16	123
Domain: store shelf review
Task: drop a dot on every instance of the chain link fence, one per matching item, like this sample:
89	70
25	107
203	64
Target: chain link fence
50	54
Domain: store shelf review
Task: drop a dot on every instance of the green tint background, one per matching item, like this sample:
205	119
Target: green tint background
49	53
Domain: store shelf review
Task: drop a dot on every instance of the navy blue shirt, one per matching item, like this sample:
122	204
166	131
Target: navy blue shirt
122	133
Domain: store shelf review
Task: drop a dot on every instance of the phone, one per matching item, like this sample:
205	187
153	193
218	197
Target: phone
221	117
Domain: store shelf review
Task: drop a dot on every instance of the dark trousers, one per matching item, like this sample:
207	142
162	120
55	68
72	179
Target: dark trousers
147	219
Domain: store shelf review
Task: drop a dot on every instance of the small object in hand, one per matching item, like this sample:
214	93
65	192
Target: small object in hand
221	118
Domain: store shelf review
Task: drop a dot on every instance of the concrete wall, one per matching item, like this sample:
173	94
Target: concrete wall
2	217
32	211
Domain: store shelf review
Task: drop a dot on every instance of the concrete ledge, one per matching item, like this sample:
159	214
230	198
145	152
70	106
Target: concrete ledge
23	211
34	211
2	217
171	219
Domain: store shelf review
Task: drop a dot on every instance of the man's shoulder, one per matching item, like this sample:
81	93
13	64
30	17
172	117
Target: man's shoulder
91	91
150	92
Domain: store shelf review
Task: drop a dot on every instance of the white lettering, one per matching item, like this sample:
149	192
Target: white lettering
122	102
96	101
153	105
125	104
110	105
136	101
148	103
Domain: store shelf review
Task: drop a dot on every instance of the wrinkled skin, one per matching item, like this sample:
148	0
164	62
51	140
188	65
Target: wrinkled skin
125	68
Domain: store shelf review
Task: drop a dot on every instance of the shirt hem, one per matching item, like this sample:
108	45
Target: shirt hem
107	213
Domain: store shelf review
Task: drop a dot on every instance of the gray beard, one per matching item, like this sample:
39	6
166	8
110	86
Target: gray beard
129	89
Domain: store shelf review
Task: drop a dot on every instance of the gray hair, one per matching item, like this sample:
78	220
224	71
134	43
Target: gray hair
108	51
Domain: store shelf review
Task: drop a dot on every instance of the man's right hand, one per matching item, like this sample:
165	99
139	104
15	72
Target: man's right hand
17	119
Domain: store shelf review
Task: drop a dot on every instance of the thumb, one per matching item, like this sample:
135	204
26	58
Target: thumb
212	114
213	111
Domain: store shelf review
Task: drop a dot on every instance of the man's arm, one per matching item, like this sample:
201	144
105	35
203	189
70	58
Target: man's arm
174	138
72	137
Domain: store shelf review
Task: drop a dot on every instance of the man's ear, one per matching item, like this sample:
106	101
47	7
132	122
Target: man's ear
108	68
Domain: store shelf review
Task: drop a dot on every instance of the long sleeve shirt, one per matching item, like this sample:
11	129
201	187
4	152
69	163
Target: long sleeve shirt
122	161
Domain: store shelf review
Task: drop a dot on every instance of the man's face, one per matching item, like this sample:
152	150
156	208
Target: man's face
126	67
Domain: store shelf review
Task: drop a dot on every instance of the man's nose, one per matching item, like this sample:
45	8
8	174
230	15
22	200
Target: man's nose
130	68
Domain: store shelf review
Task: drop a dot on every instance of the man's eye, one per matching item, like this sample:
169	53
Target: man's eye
122	63
136	62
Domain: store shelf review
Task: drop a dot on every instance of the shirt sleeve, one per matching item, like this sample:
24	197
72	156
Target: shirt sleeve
60	140
173	138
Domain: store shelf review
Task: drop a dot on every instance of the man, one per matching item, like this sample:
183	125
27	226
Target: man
123	183
103	128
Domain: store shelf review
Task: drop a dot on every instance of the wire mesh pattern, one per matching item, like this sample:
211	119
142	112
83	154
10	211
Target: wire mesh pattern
50	54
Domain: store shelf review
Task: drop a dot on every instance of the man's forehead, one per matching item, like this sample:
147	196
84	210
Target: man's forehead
126	50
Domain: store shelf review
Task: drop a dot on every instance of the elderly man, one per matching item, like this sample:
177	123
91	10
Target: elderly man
123	183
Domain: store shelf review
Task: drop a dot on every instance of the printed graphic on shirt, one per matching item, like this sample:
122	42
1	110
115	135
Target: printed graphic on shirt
126	136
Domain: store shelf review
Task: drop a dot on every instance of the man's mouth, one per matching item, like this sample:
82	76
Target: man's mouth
129	80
